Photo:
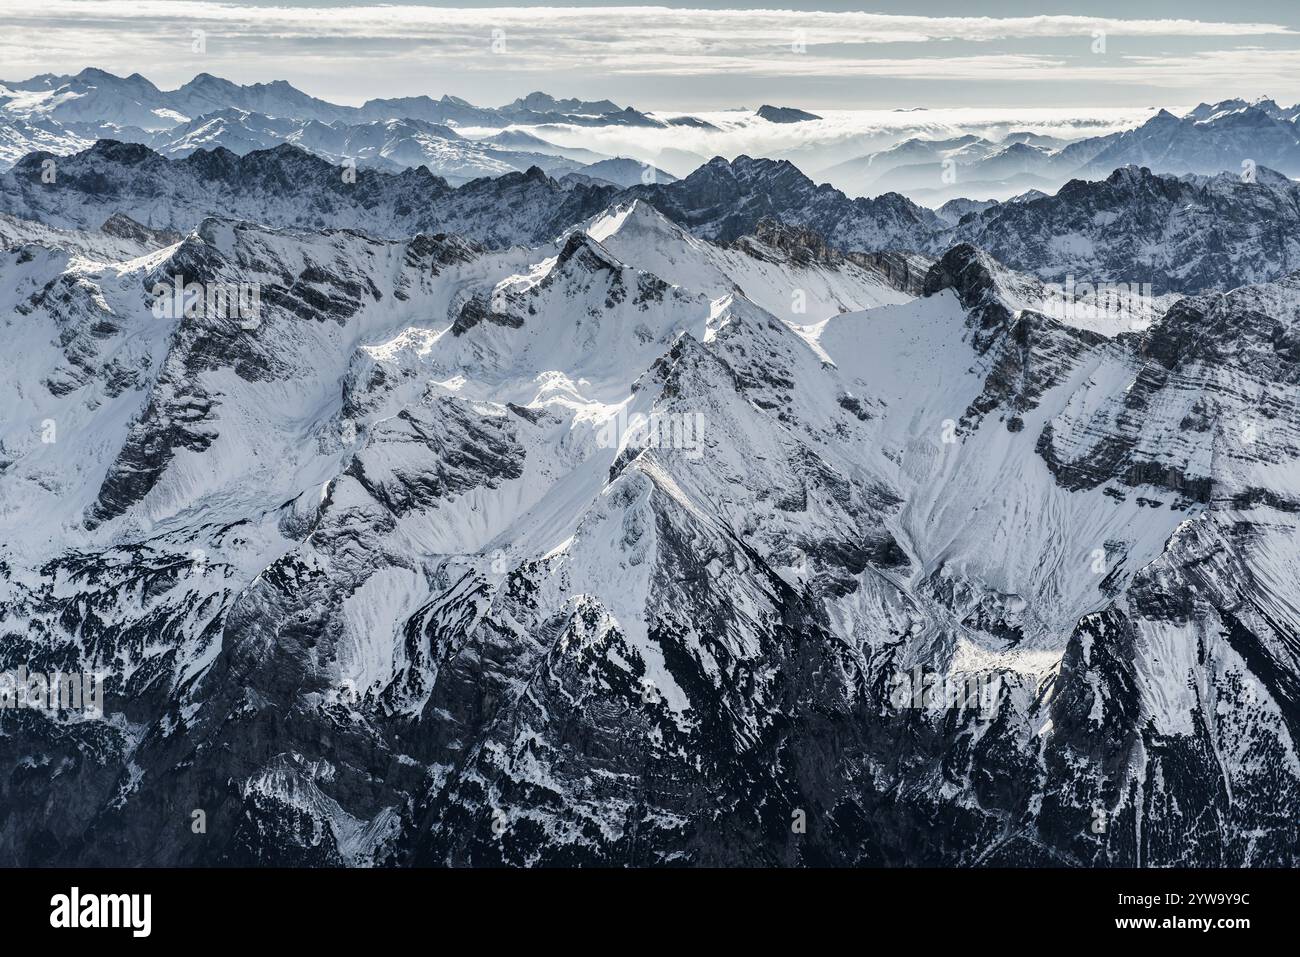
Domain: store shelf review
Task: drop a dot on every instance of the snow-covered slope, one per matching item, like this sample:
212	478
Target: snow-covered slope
120	237
91	96
798	284
18	138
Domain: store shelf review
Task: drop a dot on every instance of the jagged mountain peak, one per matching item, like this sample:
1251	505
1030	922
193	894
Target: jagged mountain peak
582	251
635	218
114	151
95	73
1205	110
209	81
1130	176
123	226
1023	149
982	284
744	167
539	102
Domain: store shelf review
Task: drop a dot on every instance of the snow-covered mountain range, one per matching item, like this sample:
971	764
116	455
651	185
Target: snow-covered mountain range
100	97
1183	234
64	114
582	515
460	141
393	145
1231	136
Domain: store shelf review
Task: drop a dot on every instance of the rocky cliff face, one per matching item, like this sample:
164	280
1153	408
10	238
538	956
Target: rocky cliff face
1180	234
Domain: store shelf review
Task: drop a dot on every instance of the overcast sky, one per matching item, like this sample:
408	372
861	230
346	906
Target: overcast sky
811	53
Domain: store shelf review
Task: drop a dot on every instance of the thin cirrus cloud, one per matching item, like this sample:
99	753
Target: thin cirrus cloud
651	26
573	44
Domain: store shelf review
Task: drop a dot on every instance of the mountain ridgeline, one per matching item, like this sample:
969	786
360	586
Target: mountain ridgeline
1183	234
